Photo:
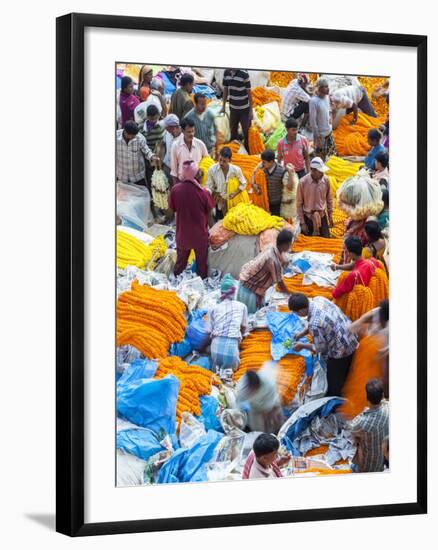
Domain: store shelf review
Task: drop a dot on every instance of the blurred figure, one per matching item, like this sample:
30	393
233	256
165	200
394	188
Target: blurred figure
181	102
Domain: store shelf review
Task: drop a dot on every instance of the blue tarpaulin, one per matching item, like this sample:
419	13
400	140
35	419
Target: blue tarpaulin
138	369
189	464
197	331
140	442
209	405
149	403
284	326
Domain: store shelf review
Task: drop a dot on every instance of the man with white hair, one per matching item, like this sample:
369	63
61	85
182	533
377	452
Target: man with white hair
320	120
351	98
172	133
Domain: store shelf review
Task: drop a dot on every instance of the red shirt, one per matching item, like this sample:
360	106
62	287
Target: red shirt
293	151
362	272
192	205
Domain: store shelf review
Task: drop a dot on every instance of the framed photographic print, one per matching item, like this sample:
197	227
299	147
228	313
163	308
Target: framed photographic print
226	256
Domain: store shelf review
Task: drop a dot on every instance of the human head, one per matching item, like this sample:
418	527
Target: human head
152	113
127	85
375	390
228	287
354	247
157	84
225	157
299	304
265	448
284	240
303	80
382	160
385	198
200	102
171	123
322	87
130	130
291	128
373	231
268	159
186	81
374	137
188	128
189	170
317	168
252	381
384	312
146	74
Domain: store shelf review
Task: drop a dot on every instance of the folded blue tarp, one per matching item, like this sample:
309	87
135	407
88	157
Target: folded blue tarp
140	442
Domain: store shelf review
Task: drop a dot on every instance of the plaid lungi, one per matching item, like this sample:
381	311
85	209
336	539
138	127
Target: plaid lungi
225	352
328	147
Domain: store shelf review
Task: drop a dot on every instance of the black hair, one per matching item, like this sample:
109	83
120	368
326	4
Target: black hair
375	391
385	197
253	379
268	155
384	312
373	231
186	79
131	128
226	153
284	237
265	444
291	123
187	122
198	96
152	110
374	134
126	81
353	245
383	158
298	301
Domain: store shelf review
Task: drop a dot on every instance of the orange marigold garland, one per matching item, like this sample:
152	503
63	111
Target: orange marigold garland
318	244
352	140
261	200
357	302
255	141
366	365
379	286
194	382
295	284
262	96
370	83
150	319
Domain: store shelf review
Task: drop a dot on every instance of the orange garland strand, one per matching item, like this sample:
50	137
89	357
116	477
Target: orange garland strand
261	200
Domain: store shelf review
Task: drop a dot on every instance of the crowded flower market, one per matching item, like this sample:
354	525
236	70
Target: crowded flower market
252	277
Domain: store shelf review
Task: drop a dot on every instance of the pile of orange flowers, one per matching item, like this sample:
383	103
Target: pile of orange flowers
233	145
261	200
143	315
256	350
366	365
318	244
255	141
352	140
370	83
362	299
282	79
295	284
194	382
262	96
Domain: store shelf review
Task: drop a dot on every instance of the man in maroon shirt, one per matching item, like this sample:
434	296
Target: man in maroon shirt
193	205
361	269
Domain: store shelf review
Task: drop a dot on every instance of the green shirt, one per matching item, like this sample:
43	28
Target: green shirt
181	103
205	128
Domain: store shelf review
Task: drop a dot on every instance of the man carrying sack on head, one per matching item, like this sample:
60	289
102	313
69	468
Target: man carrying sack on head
315	201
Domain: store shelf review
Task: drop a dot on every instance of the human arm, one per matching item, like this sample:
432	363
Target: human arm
279	152
210	184
306	155
282	287
343	267
145	149
329	200
344	286
312	120
300	208
366	319
355	112
174	163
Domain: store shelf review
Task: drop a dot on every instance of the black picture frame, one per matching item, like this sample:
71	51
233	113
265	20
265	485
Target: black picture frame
70	273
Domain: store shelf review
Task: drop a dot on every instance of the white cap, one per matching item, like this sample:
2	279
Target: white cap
318	164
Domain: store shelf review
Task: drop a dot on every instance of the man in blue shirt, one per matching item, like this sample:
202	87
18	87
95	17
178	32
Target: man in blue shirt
374	137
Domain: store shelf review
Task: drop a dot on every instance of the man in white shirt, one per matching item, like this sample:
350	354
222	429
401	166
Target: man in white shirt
155	98
351	98
295	101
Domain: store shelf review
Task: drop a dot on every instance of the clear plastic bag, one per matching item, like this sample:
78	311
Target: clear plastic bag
190	430
360	196
134	205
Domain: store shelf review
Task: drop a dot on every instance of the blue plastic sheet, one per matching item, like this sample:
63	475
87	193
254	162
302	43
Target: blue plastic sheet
284	326
189	464
202	361
302	264
298	427
149	403
197	331
140	442
181	349
209	406
138	369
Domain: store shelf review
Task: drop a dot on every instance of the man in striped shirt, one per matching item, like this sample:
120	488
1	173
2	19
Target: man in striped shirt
264	271
205	128
237	91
